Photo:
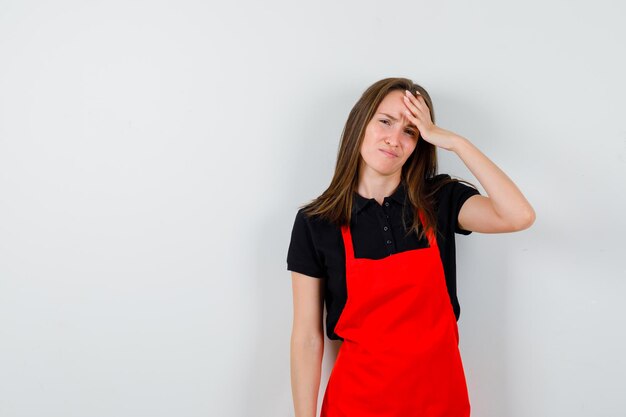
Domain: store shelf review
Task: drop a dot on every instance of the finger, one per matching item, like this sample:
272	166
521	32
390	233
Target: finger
412	118
412	106
417	101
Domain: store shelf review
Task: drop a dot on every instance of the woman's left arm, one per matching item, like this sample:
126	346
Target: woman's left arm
504	209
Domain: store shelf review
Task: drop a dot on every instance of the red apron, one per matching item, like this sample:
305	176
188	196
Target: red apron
400	355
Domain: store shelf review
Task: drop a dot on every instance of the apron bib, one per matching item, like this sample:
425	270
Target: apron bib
400	355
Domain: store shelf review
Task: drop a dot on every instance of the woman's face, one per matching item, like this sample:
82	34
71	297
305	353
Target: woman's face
390	138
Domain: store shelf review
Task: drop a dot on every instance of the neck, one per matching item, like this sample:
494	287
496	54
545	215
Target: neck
377	186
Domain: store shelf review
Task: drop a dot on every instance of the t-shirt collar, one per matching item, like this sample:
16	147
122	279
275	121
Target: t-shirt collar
360	202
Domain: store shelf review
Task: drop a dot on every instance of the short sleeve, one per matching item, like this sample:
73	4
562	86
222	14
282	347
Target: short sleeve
302	255
460	193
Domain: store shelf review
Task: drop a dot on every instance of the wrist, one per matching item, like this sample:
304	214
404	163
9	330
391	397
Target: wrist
457	143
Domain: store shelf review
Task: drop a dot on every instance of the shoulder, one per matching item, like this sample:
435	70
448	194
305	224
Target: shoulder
437	178
311	222
303	254
301	226
448	187
311	227
449	199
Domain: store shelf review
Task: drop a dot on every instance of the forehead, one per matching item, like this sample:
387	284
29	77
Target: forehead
394	101
393	105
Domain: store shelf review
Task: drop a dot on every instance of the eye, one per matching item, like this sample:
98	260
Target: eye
384	120
411	132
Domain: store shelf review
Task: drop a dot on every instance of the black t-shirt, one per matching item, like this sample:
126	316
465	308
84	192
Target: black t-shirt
316	248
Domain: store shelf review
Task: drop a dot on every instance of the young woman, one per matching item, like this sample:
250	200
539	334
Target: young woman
378	247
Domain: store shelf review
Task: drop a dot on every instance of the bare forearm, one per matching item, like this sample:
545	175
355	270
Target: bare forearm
507	199
306	367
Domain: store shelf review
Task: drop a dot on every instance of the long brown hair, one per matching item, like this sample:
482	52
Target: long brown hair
335	203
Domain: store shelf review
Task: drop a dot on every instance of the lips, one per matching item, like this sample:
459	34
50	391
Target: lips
388	153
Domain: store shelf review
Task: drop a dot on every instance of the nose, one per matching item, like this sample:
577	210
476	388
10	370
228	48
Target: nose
394	137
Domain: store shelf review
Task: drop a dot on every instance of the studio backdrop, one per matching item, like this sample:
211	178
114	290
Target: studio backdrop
153	156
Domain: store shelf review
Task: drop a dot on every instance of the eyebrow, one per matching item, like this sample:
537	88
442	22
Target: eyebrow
395	120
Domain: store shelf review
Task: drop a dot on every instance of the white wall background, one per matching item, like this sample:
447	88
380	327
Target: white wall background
153	155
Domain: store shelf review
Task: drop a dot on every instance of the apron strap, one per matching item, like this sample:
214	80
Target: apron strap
431	238
347	241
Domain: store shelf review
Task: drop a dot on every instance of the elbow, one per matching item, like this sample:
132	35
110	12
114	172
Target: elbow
308	340
525	221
